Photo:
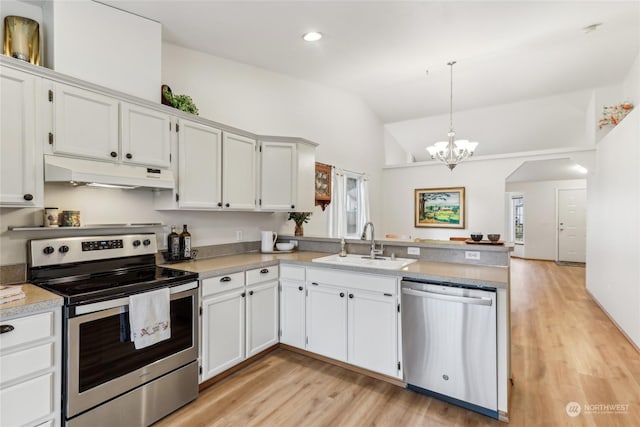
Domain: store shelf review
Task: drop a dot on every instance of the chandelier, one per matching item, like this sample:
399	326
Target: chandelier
454	150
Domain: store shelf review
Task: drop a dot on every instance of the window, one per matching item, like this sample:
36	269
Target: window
517	215
349	208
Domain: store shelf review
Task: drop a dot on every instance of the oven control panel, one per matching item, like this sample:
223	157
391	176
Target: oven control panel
100	245
89	248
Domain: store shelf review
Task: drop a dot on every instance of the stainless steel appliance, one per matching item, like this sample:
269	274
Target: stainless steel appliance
106	381
449	343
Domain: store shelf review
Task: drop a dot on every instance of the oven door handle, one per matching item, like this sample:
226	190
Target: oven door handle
124	301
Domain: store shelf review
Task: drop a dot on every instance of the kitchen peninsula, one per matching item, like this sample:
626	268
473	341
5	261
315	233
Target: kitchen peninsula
253	303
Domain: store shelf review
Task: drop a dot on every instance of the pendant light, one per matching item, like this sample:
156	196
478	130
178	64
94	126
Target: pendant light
452	151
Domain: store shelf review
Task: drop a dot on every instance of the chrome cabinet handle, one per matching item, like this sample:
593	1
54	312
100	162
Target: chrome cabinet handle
6	328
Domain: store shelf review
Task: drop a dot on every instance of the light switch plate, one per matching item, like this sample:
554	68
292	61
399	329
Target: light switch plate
239	235
472	255
413	251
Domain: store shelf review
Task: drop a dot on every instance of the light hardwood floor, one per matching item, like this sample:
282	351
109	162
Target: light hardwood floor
564	349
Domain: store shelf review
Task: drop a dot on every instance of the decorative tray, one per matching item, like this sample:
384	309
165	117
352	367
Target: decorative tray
484	242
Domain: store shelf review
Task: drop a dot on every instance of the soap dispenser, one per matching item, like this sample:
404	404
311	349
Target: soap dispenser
343	251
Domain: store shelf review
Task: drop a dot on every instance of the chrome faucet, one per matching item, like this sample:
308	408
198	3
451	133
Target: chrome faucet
374	251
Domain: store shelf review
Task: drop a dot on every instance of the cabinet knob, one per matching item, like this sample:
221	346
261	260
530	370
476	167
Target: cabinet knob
293	206
6	328
28	197
299	288
129	156
227	205
63	249
250	292
341	294
264	271
220	204
243	294
350	295
114	154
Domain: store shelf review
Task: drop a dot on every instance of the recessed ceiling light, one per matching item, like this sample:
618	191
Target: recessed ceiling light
312	36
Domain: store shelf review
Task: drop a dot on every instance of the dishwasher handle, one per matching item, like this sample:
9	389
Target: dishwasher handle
446	297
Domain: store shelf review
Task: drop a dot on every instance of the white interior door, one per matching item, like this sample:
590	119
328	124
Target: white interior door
572	225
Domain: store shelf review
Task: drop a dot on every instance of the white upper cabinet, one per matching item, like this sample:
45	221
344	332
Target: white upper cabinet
20	154
238	172
145	137
278	175
85	123
199	166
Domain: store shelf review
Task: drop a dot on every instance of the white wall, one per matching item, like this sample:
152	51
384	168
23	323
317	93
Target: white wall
540	215
484	182
533	124
263	102
394	154
106	46
613	215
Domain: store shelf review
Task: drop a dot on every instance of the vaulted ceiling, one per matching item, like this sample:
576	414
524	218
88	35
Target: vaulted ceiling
506	51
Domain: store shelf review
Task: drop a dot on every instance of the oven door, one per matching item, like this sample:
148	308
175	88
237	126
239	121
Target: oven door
103	363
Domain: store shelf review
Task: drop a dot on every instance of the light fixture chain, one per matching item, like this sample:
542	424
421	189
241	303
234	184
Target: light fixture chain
450	64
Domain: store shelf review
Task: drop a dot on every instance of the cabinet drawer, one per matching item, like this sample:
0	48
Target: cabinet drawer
265	274
364	281
27	329
292	272
26	402
223	283
25	362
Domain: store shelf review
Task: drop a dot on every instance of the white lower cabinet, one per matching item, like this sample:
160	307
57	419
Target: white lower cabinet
30	360
239	318
223	324
262	317
352	317
327	321
292	305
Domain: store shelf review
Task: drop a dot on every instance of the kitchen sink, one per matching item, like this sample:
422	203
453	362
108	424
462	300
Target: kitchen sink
365	261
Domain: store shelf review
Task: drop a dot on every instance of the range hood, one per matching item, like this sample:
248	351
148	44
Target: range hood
81	171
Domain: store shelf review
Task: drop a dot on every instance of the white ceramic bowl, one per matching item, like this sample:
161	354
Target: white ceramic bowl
284	246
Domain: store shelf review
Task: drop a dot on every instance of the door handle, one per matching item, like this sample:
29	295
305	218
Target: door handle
452	298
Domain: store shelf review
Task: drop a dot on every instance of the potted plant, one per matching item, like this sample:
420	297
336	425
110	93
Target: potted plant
181	102
299	218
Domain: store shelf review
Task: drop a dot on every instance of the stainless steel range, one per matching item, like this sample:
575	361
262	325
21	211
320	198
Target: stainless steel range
106	381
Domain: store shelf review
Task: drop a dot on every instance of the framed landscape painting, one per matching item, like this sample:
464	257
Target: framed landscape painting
439	207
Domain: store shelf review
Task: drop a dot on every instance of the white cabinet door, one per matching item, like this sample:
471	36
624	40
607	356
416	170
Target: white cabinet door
86	123
199	166
146	136
239	172
223	325
327	321
278	176
262	317
20	157
292	313
372	331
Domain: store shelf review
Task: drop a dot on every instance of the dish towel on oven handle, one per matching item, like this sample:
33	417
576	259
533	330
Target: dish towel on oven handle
150	317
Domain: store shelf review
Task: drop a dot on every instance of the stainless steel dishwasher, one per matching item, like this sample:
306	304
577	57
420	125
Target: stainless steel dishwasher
449	343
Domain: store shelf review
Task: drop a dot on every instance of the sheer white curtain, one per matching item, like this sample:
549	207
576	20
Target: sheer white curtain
340	224
364	203
337	212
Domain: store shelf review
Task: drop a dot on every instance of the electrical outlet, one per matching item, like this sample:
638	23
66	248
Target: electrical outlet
472	255
239	235
413	251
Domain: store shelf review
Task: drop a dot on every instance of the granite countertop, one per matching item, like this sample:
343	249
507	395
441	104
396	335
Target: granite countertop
37	299
475	275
